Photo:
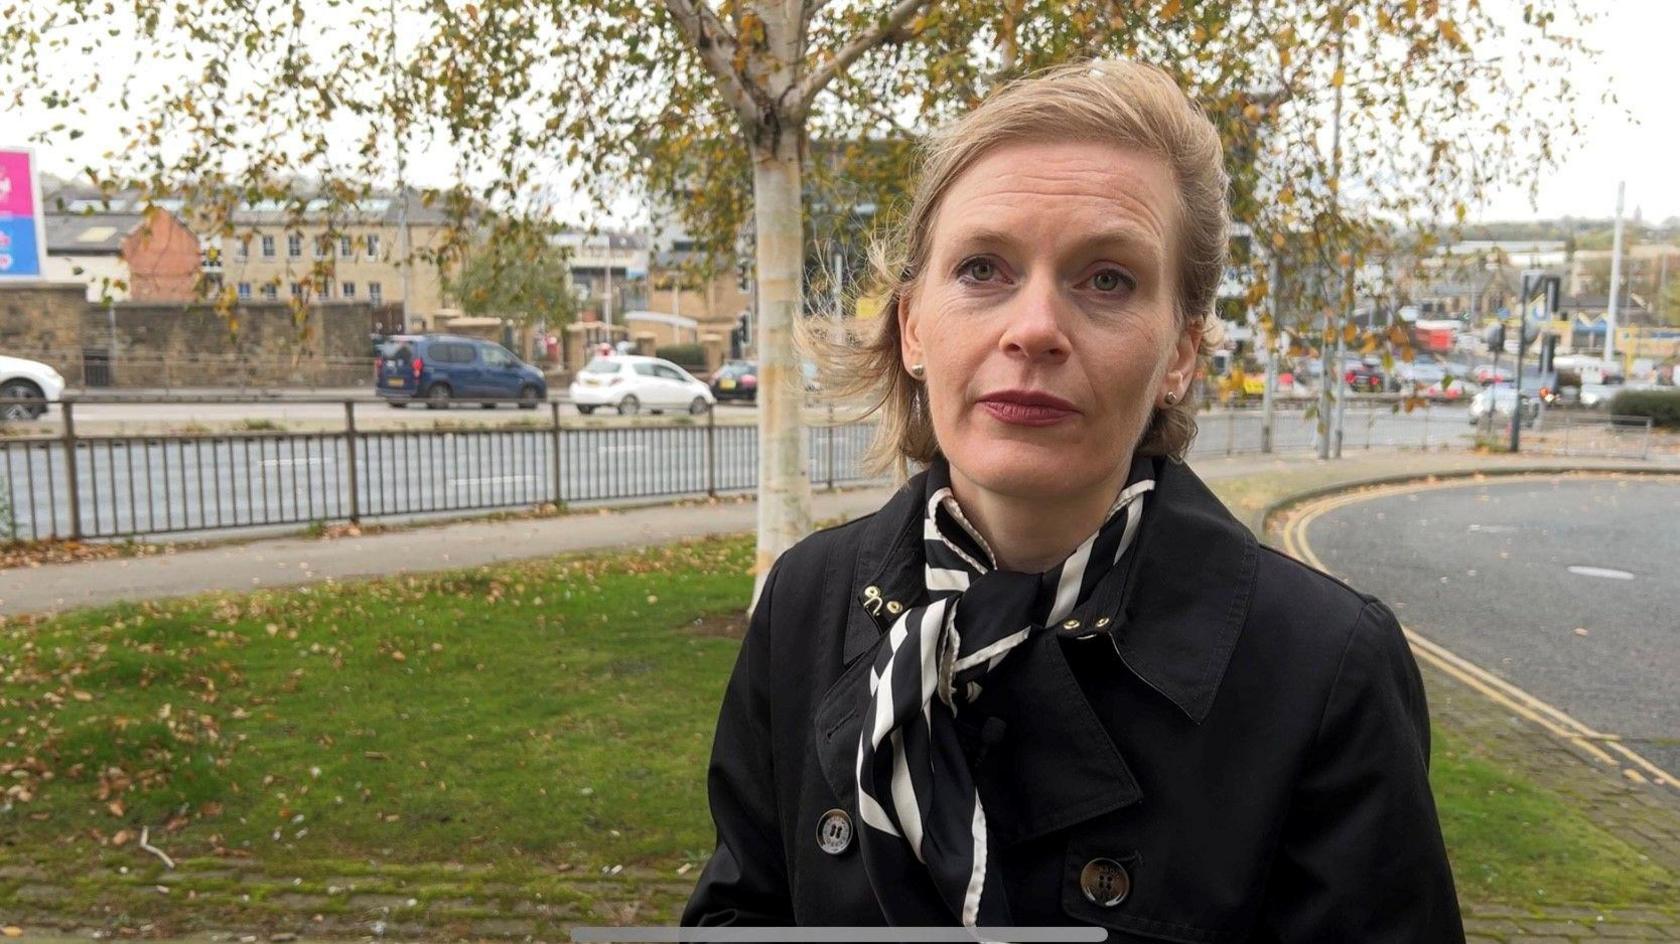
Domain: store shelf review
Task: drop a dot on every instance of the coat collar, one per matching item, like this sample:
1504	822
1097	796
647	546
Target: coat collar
1180	609
1185	600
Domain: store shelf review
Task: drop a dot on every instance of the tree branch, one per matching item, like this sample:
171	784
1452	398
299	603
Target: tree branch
711	41
818	78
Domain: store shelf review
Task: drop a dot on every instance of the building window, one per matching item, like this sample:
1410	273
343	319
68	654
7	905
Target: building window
372	246
243	249
294	246
325	291
347	290
375	292
271	291
323	246
346	247
245	291
268	247
297	289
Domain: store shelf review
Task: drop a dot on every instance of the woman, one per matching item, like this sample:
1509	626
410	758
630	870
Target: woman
1053	681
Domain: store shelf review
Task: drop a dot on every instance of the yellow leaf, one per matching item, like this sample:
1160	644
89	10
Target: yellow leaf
12	930
1449	32
1171	9
1337	78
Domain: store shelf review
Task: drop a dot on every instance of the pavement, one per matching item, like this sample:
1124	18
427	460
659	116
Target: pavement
1644	815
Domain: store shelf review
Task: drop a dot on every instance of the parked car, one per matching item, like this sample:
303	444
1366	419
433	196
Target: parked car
736	380
1502	400
1363	377
630	383
1489	374
26	380
438	368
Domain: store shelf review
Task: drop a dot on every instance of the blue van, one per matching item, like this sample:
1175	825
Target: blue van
438	368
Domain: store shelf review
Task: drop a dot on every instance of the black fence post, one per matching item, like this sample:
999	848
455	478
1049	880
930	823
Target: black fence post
70	470
554	412
350	453
711	450
831	447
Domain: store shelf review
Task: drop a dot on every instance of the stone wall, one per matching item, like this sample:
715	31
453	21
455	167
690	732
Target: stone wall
43	321
156	344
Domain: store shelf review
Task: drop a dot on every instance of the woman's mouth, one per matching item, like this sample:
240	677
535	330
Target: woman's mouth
1027	407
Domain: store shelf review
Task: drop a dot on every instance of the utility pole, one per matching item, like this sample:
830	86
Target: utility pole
1615	277
1333	376
606	313
1274	340
403	248
838	277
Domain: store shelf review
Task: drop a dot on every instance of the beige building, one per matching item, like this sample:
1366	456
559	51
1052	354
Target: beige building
326	254
354	255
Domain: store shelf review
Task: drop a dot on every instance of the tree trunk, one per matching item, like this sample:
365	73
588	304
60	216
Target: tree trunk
784	486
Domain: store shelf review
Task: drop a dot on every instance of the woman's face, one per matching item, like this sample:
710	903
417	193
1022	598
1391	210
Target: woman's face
1045	317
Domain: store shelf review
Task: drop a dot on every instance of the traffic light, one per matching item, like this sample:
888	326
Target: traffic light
1495	337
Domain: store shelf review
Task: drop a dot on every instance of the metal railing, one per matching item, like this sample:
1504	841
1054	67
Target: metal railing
121	485
1572	433
1369	423
113	485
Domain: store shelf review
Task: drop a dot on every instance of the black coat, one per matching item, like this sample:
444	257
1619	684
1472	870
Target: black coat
1251	743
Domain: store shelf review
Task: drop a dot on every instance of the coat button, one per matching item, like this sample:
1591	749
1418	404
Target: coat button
1105	882
834	832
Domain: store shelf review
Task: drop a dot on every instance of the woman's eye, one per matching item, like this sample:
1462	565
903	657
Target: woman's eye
979	270
1110	280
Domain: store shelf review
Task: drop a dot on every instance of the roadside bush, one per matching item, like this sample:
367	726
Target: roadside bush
688	355
1662	406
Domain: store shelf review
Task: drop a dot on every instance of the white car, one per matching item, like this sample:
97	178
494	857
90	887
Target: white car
26	380
631	383
1502	400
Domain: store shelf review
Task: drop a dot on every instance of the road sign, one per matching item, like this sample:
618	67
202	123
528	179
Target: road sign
23	238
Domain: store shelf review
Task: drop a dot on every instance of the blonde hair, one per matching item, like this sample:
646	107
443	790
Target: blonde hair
1128	104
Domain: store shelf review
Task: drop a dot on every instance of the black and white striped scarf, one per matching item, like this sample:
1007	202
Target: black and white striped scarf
916	795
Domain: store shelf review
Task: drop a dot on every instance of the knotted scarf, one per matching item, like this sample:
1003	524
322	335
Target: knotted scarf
924	837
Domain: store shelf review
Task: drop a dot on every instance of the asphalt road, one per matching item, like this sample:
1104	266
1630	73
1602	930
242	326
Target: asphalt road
134	478
1567	587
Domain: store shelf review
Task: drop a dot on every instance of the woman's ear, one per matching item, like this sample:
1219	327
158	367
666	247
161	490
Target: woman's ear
1181	369
909	327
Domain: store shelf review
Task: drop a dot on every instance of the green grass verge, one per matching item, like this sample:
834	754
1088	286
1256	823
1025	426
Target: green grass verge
1514	841
539	718
560	711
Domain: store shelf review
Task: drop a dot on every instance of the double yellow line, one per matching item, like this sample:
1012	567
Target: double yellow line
1607	749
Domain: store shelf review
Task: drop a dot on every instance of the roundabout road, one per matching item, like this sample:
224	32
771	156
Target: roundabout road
1563	590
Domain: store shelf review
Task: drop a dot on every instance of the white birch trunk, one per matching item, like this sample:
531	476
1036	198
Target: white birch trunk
784	485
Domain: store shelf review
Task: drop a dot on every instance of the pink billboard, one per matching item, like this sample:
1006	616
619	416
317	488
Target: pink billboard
22	239
17	190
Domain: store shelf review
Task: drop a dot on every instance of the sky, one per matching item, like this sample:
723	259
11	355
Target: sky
1637	141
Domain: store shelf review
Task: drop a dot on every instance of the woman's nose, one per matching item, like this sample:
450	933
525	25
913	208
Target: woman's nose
1035	330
